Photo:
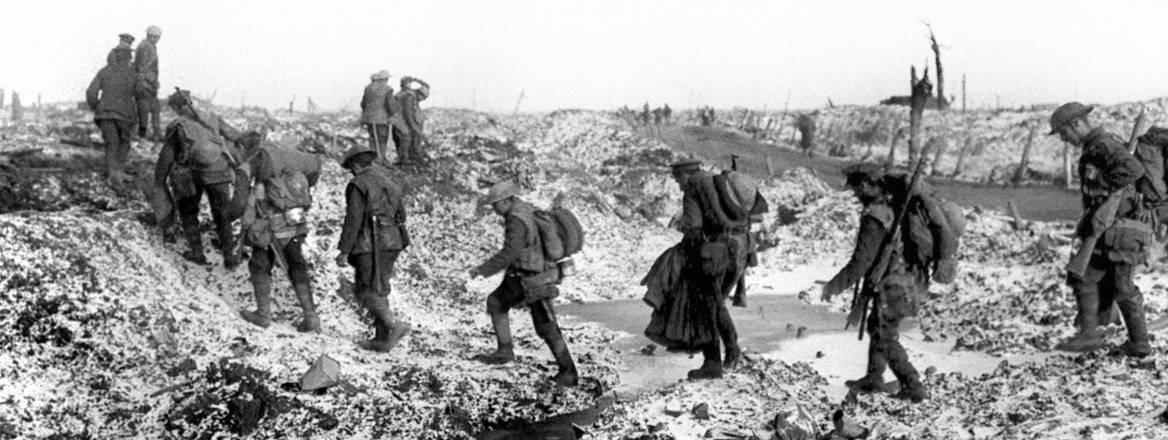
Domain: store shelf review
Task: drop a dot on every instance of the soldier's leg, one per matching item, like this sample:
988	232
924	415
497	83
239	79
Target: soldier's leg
155	118
397	328
1086	289
260	268
382	141
109	135
402	143
143	117
543	316
711	352
729	336
188	213
373	141
911	387
1131	305
873	380
219	197
301	283
499	304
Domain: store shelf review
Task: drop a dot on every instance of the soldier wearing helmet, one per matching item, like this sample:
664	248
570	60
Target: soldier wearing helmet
146	63
529	278
373	235
1108	172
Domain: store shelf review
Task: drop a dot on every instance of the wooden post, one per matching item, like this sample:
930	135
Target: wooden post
1020	173
942	101
961	155
518	101
963	93
1067	177
1017	218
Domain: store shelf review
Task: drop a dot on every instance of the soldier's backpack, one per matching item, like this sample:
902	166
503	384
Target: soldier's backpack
933	228
1152	152
197	147
730	199
561	236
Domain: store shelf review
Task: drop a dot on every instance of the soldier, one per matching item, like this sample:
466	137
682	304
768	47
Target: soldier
146	63
197	157
806	126
124	42
905	282
373	235
376	109
277	226
529	278
1108	172
111	98
407	128
714	247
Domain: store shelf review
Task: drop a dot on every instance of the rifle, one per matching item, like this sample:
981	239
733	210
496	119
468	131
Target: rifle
879	268
372	219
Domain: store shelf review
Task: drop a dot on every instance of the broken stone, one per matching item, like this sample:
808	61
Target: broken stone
324	373
802	330
819	355
794	423
648	350
701	411
673	408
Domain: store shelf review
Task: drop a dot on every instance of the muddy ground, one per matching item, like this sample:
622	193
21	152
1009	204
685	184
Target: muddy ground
115	335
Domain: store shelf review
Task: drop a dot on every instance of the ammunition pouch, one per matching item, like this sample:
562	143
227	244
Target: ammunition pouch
1126	242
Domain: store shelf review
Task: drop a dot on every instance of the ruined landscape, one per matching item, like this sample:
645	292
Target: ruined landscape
110	333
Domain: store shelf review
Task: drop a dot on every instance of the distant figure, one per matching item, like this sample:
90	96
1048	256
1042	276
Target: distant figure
667	113
646	116
407	130
658	117
111	98
125	41
376	109
146	63
17	109
806	126
372	236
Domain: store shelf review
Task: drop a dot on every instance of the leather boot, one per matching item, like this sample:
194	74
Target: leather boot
391	330
505	353
194	251
310	322
911	389
873	380
711	364
566	376
1137	330
262	316
1088	337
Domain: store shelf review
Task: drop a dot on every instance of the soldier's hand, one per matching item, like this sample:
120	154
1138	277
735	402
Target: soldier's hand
342	260
830	290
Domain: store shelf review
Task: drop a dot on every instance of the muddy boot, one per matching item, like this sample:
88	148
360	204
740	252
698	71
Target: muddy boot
911	389
310	322
873	380
1137	330
390	332
262	316
1088	337
711	365
566	376
732	358
505	352
195	255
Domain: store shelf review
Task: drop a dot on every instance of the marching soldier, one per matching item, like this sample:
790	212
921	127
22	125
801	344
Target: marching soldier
530	279
373	235
407	118
897	292
376	109
111	98
1108	171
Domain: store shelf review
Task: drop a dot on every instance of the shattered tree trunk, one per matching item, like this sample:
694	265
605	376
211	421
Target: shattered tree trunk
890	161
942	101
1020	173
921	88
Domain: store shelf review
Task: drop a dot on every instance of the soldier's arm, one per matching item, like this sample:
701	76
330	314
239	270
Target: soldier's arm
387	103
93	92
354	211
867	247
227	131
514	233
163	165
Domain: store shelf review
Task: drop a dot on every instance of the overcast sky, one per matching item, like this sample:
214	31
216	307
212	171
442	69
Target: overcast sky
600	53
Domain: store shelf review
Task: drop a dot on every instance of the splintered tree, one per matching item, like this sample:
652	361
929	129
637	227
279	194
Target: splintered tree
942	101
921	89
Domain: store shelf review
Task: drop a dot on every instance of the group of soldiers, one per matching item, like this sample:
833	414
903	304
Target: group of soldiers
1115	233
387	115
650	118
124	99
